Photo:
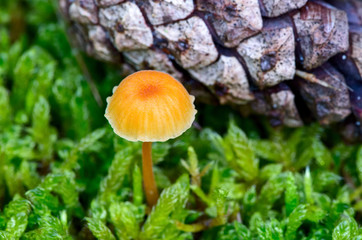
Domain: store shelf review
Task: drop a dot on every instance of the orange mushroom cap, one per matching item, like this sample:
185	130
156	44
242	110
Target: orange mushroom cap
150	106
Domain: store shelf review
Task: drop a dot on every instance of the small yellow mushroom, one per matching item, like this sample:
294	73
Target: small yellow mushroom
150	106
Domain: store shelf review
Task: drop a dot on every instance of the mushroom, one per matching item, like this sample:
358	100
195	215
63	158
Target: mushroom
150	106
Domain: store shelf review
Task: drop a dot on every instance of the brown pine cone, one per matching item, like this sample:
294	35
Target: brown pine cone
267	57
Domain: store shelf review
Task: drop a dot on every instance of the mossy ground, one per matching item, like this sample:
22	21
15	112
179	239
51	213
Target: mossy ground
65	175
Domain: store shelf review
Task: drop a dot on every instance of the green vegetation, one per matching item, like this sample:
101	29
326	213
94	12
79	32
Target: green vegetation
65	175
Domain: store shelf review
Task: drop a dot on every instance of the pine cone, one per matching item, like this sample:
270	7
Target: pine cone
286	59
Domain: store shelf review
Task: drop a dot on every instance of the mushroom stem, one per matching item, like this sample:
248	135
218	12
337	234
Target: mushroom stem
149	183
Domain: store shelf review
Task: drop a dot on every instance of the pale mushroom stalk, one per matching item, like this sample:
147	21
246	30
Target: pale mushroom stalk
148	177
